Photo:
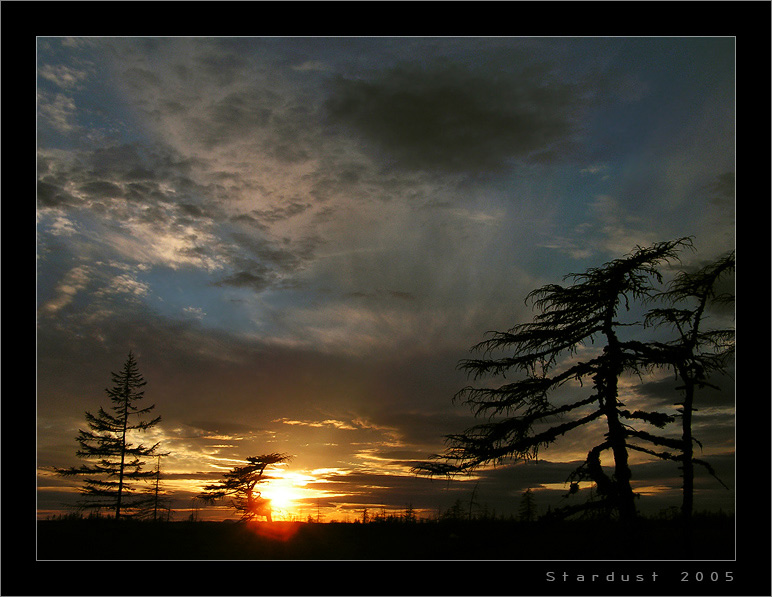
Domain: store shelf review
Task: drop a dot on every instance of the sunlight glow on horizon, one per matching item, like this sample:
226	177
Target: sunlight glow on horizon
290	497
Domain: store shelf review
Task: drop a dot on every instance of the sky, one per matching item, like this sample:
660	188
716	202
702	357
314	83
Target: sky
299	238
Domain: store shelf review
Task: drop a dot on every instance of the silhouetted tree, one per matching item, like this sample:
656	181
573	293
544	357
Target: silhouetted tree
240	483
520	414
527	511
472	500
457	511
695	355
157	501
115	462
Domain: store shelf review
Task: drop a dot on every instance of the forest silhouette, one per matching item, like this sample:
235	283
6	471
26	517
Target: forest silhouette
520	418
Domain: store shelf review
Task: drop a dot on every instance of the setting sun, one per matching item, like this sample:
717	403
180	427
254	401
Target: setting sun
285	491
281	496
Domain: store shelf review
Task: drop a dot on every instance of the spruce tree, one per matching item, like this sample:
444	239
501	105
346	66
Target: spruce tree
521	414
157	500
114	463
527	510
695	355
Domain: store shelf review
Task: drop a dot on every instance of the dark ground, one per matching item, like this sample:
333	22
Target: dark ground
486	557
100	539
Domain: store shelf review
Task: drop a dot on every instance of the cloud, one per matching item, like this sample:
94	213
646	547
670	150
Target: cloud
722	190
325	423
281	212
196	312
311	65
218	429
101	189
127	284
247	279
609	230
240	114
52	195
451	118
58	110
62	75
74	282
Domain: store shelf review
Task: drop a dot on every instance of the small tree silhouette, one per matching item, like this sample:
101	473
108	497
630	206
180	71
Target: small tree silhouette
527	511
157	500
240	483
458	511
114	461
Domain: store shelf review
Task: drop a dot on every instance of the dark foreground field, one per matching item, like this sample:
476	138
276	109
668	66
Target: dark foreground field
104	539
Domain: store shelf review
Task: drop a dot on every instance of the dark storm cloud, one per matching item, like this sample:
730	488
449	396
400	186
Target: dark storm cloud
450	118
101	189
50	194
140	173
140	162
246	279
257	263
280	213
138	191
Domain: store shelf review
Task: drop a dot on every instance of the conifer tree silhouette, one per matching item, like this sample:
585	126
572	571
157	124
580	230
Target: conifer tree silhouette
520	414
695	355
157	500
114	462
527	509
240	483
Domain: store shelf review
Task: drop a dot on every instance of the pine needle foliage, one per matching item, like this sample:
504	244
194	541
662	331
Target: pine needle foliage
240	482
114	464
521	417
696	354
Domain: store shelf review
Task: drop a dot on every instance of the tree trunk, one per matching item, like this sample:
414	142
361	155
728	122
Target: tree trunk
625	500
687	468
127	391
157	482
608	386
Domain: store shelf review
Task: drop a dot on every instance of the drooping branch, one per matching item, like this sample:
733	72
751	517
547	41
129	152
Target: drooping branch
496	442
